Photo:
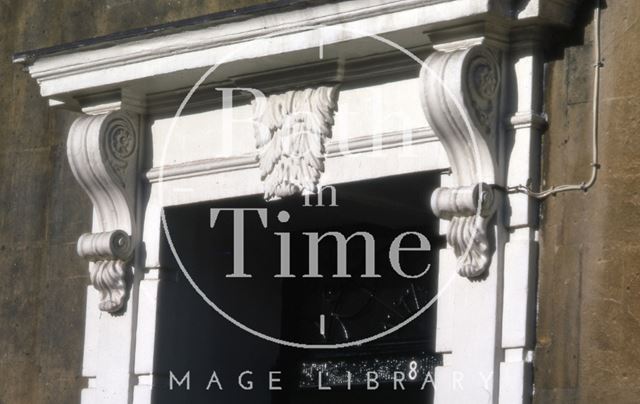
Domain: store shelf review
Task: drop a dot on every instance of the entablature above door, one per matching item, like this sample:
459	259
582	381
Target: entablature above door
304	57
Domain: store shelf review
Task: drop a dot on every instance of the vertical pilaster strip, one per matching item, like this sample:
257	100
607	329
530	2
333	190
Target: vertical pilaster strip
521	249
146	337
144	367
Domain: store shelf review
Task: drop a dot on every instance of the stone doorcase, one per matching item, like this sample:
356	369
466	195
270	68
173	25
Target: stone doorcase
464	99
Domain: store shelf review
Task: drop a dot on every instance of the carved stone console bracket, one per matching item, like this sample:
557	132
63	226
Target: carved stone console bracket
102	151
291	132
460	96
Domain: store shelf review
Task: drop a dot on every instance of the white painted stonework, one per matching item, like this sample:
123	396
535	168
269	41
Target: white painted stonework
473	106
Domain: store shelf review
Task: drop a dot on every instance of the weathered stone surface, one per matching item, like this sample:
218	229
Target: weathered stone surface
589	302
42	209
588	335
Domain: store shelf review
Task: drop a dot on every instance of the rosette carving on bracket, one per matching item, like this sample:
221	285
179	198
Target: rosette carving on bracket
291	132
460	88
102	151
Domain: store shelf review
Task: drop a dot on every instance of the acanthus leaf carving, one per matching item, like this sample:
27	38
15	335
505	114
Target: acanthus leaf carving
102	151
460	93
469	210
291	132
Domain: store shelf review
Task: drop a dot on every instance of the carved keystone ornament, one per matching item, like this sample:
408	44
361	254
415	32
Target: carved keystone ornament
291	132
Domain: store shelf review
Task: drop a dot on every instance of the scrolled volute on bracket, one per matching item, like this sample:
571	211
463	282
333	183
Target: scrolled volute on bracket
103	155
460	86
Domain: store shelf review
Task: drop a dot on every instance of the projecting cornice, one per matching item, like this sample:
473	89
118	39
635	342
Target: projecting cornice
180	52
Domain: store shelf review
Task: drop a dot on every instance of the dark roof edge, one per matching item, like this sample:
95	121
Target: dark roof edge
30	56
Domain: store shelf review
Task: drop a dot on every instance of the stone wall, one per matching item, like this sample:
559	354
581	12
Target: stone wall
42	209
588	347
588	336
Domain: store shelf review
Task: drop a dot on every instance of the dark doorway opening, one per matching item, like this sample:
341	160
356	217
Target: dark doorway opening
193	338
